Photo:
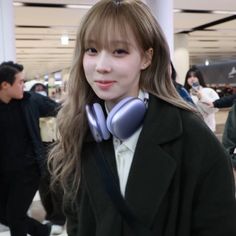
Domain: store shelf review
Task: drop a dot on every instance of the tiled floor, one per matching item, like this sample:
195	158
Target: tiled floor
221	115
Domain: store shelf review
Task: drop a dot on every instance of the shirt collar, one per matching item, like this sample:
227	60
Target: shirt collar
131	142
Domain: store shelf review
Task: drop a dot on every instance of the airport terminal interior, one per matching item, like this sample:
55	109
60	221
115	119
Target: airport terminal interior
204	34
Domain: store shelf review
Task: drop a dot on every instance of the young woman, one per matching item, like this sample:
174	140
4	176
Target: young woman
169	176
201	95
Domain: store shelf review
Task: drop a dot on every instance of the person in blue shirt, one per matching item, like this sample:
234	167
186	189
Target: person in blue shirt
180	88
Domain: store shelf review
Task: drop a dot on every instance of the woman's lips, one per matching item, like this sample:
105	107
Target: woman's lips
104	84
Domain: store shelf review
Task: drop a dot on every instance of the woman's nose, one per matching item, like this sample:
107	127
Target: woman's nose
103	64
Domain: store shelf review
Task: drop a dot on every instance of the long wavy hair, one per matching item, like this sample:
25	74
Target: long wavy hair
104	19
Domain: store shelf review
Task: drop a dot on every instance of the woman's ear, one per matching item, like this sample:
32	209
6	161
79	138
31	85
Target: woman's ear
147	58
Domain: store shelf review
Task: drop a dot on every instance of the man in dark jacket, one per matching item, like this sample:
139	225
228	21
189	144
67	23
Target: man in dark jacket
22	158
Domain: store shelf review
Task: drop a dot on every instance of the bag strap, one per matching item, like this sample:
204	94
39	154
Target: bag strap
116	197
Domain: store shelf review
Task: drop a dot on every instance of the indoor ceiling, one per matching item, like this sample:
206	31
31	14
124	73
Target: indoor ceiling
39	24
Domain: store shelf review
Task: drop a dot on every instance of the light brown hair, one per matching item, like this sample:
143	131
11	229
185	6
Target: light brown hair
103	18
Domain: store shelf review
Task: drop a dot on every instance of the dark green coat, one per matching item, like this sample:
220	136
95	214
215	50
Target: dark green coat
229	135
180	181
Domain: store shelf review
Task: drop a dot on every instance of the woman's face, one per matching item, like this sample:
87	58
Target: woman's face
192	79
113	71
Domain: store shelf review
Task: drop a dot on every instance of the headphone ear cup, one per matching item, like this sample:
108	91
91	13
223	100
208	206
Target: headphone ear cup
126	117
112	113
101	121
97	123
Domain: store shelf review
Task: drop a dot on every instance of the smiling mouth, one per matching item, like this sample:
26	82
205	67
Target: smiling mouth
104	84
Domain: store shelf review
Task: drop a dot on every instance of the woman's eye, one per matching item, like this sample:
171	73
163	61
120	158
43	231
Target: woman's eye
120	52
91	51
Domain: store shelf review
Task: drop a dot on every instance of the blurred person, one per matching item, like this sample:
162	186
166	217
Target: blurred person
223	102
201	95
155	170
22	157
36	86
51	200
179	87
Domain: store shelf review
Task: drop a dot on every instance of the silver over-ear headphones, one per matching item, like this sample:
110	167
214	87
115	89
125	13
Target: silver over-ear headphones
122	121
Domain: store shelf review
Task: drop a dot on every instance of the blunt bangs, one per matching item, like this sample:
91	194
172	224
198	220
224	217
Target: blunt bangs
108	29
103	28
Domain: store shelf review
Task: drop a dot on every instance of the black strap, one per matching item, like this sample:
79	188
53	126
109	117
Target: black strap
113	190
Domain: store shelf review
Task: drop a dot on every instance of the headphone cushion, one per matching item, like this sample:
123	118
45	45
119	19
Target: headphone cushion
116	108
126	117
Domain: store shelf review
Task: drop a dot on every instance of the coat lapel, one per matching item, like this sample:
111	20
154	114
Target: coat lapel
153	168
109	156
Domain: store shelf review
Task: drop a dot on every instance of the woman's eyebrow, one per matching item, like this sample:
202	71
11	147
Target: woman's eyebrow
90	41
115	41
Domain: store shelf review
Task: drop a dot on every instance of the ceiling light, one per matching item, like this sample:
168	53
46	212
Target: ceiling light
177	10
224	12
206	63
64	39
79	6
18	4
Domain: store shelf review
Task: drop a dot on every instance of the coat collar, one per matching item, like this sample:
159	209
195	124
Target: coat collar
26	96
162	121
153	168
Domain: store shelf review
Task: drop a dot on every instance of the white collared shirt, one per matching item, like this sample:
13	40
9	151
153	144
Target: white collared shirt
124	152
